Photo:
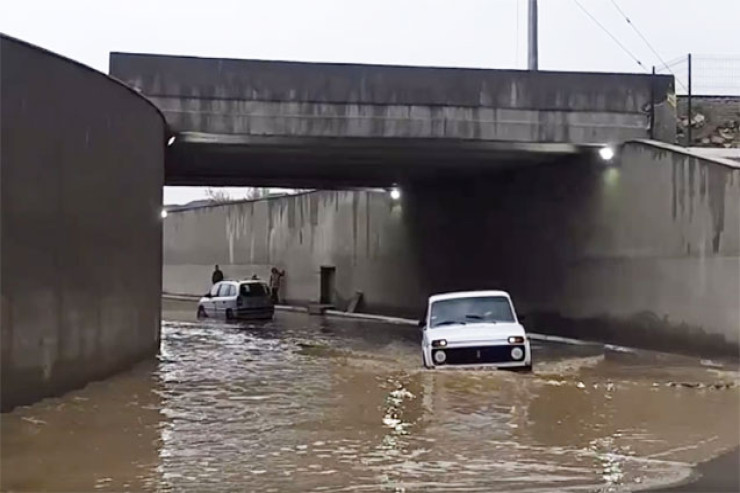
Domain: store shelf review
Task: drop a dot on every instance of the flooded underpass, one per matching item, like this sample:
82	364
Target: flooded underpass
312	404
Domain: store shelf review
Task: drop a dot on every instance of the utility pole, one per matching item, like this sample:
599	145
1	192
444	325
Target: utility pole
533	58
691	94
652	105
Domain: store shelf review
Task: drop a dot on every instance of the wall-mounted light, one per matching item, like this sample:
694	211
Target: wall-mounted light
606	153
171	140
395	193
163	214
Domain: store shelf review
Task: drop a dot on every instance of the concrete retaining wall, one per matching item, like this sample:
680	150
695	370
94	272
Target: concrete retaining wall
660	261
81	180
645	253
361	234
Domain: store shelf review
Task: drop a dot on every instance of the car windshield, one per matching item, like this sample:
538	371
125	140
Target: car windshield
471	310
249	290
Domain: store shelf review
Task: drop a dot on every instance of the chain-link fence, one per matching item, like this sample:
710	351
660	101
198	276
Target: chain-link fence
705	75
708	99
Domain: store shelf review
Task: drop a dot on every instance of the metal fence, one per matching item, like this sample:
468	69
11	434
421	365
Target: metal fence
704	75
708	103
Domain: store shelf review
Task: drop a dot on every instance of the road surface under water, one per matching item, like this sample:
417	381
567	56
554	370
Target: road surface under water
313	404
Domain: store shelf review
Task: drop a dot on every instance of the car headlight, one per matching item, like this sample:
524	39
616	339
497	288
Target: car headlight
516	340
440	357
439	343
517	353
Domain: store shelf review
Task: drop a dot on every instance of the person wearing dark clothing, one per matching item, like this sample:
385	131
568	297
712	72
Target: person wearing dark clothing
276	277
217	276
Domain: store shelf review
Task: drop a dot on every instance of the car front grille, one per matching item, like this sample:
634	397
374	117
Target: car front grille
482	355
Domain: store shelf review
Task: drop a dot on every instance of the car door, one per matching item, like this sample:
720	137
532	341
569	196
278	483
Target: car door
209	303
250	295
221	300
229	299
260	295
245	295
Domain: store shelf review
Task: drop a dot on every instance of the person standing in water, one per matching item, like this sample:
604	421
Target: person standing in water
276	277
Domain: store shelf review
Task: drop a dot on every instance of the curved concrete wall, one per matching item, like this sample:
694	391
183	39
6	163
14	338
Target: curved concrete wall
644	253
81	186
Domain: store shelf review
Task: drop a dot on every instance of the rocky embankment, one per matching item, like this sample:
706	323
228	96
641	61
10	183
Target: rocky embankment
715	122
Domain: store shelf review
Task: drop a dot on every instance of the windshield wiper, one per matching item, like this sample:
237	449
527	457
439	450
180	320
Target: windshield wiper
449	322
478	317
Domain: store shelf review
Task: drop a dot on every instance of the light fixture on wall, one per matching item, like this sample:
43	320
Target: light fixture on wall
163	213
606	153
395	193
171	140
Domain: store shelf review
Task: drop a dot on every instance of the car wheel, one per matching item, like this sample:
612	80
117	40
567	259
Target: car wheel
229	314
201	313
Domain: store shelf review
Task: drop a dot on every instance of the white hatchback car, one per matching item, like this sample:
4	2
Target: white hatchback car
237	299
476	328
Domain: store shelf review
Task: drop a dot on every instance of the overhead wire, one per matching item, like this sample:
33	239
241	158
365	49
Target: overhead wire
614	38
676	61
645	40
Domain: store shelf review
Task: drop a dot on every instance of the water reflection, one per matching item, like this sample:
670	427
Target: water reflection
105	436
310	405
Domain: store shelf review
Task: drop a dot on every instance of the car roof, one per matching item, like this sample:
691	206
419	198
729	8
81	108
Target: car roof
466	294
244	281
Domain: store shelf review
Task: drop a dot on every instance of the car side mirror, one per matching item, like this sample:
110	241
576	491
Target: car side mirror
209	295
422	324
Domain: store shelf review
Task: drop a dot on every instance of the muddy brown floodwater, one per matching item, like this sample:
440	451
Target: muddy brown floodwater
309	404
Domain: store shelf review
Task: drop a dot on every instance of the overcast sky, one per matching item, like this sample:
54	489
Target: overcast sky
460	33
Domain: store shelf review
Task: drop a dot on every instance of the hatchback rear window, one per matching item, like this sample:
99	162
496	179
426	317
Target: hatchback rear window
252	290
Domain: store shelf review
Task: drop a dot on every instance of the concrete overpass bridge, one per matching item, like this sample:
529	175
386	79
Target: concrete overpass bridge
321	125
